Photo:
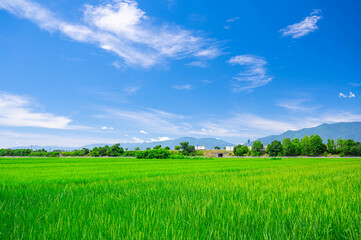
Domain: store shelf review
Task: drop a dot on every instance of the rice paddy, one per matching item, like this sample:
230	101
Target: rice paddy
228	198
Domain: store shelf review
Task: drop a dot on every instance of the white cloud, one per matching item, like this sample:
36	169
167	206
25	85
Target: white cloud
15	111
143	132
304	27
255	74
121	28
183	87
138	140
20	138
155	121
242	126
107	128
351	95
297	105
200	64
159	139
207	81
232	19
131	90
119	65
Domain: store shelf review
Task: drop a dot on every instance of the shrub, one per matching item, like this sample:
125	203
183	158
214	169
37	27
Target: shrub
153	154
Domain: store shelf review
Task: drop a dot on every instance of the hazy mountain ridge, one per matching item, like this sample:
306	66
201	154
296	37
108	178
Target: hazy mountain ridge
210	143
344	130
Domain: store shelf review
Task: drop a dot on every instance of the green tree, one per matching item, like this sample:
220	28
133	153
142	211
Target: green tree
137	149
289	148
297	145
187	149
331	146
115	150
177	147
316	145
217	147
274	148
257	148
240	150
306	146
158	147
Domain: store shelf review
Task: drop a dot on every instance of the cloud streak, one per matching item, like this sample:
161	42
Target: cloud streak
15	111
255	74
183	87
308	25
120	27
351	95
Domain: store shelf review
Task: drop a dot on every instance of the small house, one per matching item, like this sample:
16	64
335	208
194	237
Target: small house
230	148
200	147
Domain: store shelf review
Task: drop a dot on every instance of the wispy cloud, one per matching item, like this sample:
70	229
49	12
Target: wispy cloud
355	84
232	19
20	138
207	81
107	128
308	25
131	90
137	140
297	105
143	132
351	95
229	21
151	120
200	64
255	74
159	139
16	111
183	87
120	27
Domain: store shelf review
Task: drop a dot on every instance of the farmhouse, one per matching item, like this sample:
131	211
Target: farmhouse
200	147
230	148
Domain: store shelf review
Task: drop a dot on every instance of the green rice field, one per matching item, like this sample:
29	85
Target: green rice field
227	198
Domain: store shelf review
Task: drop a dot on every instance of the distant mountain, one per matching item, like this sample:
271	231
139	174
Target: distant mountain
210	143
349	130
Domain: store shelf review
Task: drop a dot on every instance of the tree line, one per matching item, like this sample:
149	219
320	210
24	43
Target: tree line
109	151
307	146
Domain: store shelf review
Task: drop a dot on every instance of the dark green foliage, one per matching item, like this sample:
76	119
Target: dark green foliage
274	148
316	145
158	153
240	150
331	146
187	149
257	148
217	148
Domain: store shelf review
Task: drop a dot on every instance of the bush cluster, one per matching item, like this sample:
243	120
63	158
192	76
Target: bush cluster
307	146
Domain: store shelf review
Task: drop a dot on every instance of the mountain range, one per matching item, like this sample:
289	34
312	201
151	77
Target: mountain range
349	130
210	143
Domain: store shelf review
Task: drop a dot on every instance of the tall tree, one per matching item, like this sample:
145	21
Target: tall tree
257	148
274	148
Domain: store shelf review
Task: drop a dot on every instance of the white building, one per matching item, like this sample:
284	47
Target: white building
200	147
230	148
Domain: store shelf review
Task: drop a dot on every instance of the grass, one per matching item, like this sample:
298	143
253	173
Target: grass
118	198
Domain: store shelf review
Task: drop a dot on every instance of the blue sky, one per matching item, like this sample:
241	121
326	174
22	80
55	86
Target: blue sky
78	72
